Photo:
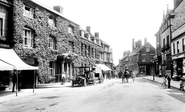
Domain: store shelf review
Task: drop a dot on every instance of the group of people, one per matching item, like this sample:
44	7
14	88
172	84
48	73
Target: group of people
126	75
166	80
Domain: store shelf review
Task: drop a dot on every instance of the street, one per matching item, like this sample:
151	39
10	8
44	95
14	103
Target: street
111	96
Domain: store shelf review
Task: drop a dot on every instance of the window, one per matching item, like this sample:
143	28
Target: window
177	46
52	43
163	43
70	30
183	44
82	49
28	36
51	21
173	48
167	39
1	26
85	50
147	48
71	45
28	12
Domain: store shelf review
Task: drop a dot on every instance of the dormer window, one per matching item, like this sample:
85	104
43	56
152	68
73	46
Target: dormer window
81	33
51	21
28	11
87	35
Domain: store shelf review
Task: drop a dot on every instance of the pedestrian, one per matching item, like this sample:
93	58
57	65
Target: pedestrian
164	81
14	79
169	80
63	77
126	74
132	75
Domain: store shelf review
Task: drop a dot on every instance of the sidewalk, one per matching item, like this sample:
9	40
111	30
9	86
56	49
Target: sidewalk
174	84
8	95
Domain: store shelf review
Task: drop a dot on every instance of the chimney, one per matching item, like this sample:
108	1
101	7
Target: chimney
139	43
58	9
176	3
145	41
133	45
96	34
88	29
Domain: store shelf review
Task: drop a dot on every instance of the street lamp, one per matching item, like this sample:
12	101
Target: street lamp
153	70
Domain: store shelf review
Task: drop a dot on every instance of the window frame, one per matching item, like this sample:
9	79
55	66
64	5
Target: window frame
28	13
51	21
52	43
28	39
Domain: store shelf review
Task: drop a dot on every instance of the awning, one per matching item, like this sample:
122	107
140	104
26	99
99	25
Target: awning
5	66
9	56
103	67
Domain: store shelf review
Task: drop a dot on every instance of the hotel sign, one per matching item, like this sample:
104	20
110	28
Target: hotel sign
179	31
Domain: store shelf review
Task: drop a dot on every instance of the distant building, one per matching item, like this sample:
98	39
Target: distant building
141	58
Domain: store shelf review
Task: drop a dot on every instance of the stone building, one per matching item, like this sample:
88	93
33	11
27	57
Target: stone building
178	38
5	36
163	43
43	37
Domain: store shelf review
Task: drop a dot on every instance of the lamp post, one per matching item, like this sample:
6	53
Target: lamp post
153	70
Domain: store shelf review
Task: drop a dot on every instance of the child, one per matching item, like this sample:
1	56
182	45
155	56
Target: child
164	81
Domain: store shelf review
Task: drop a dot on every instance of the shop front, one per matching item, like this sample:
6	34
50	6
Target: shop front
15	63
178	67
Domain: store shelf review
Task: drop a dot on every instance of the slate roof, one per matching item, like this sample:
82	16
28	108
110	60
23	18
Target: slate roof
136	50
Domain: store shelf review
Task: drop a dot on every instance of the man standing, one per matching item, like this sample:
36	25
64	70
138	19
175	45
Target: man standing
14	79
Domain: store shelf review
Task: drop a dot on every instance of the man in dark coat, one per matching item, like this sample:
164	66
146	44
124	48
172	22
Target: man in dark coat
14	80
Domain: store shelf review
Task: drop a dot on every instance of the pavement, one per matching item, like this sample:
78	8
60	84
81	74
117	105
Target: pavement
174	84
8	95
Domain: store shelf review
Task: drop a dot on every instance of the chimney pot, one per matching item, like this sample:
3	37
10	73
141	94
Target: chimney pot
88	29
58	9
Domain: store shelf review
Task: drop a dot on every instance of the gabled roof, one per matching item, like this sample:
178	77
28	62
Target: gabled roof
136	50
124	57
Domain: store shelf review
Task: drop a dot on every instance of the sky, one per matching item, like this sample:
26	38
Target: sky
117	21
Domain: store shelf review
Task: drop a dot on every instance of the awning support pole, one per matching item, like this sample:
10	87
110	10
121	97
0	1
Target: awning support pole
17	83
34	81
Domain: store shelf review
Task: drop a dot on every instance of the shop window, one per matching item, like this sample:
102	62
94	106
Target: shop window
28	12
28	37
